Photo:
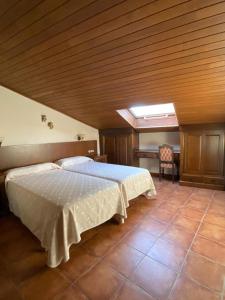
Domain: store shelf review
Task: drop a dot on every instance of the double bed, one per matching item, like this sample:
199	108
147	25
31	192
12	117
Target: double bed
57	205
57	202
133	181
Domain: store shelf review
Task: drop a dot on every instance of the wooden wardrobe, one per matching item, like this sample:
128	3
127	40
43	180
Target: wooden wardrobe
119	145
202	156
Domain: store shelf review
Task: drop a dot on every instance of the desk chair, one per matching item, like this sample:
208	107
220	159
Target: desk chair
166	160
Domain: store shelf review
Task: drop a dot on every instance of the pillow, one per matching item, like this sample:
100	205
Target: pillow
13	173
73	161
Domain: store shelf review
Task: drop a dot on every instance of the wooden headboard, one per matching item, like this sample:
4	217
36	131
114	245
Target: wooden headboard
24	155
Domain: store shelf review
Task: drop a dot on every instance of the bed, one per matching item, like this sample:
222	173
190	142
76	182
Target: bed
57	205
133	181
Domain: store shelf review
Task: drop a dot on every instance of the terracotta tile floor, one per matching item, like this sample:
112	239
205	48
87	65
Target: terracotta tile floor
169	248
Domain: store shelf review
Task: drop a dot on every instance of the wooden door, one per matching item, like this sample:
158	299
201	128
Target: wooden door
192	152
213	153
108	146
123	149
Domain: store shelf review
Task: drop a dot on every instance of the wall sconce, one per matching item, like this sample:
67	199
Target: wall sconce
80	137
1	140
43	118
50	125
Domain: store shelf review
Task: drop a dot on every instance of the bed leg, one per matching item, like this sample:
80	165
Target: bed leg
118	219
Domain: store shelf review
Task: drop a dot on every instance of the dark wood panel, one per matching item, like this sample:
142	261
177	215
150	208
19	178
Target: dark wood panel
192	152
119	145
23	155
108	147
213	159
202	155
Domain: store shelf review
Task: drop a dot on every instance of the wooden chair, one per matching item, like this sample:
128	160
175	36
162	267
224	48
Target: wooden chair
166	160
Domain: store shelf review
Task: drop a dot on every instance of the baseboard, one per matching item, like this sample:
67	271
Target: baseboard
202	185
166	176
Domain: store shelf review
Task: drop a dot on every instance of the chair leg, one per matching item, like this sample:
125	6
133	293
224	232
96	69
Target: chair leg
173	173
160	173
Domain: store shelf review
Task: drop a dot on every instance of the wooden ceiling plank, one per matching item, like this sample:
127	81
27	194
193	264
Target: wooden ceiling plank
137	35
132	71
180	73
6	5
17	11
96	23
192	40
122	53
182	49
171	87
37	13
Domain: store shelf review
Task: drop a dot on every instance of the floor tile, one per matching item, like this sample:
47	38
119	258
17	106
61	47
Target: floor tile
99	245
212	232
215	219
204	271
219	195
154	277
167	205
80	262
44	285
101	283
87	235
71	293
219	201
133	292
7	287
124	259
27	267
153	226
115	231
140	240
18	249
192	213
198	204
178	235
217	209
187	223
168	254
186	289
162	215
210	249
204	192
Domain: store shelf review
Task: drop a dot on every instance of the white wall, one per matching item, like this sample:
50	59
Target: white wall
153	140
20	122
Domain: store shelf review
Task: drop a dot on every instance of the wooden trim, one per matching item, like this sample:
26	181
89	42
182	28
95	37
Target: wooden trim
202	185
23	155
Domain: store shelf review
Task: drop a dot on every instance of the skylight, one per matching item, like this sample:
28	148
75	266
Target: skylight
151	111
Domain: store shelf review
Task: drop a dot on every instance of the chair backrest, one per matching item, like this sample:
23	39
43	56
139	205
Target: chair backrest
166	153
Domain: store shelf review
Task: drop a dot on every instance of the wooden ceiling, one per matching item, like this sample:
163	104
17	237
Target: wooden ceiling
90	58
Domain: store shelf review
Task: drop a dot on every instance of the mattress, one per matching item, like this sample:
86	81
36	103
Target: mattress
57	206
133	181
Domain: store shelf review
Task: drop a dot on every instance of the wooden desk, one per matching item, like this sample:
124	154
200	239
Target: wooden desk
154	154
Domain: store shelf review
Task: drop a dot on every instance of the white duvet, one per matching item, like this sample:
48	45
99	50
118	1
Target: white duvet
57	206
133	181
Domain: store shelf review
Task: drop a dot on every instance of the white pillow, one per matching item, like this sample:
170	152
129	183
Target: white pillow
73	161
13	173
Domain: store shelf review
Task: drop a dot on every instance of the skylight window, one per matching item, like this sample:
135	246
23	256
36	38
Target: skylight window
153	111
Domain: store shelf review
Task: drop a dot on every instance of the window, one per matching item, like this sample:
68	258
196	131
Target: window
153	111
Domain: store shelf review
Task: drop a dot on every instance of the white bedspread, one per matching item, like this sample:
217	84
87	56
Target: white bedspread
57	206
133	181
